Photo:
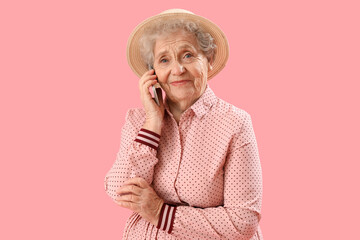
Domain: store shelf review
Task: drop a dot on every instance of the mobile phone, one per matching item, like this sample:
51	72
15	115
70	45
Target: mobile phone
155	87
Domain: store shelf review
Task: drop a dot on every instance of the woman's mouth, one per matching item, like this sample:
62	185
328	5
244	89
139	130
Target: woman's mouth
179	83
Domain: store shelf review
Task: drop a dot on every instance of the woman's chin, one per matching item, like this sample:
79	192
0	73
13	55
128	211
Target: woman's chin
184	99
183	93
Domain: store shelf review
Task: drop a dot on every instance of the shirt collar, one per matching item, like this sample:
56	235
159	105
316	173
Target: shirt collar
202	105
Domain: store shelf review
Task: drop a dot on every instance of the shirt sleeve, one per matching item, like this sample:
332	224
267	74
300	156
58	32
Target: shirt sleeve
239	217
136	156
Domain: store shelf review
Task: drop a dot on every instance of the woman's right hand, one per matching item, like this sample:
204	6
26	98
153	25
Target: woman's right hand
154	113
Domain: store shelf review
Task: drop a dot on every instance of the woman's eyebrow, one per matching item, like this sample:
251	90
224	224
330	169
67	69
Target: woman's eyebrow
161	53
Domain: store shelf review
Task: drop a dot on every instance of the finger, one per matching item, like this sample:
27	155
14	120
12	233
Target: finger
145	89
142	84
148	75
132	206
129	198
149	72
146	79
129	189
149	83
139	181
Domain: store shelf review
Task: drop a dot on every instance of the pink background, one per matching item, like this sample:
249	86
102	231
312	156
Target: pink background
66	86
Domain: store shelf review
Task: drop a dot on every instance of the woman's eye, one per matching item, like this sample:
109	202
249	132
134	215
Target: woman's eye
188	55
163	60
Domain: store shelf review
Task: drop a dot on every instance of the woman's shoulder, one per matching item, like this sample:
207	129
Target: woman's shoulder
231	111
230	116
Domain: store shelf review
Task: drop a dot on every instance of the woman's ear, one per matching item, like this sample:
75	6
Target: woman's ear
210	63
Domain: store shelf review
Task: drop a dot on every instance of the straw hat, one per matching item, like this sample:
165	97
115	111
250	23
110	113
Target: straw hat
138	65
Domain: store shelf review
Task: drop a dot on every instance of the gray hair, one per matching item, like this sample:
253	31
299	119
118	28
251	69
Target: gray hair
147	41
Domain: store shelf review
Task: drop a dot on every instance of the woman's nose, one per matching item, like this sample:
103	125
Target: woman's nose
177	68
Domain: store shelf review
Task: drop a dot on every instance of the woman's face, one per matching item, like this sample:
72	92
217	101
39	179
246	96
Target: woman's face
177	57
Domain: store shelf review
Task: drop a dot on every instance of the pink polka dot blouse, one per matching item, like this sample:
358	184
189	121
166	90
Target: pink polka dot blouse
206	169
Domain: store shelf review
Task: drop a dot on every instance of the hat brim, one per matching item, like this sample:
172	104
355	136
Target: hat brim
138	65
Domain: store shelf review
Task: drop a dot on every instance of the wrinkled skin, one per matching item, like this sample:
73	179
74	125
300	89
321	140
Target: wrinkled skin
138	196
177	56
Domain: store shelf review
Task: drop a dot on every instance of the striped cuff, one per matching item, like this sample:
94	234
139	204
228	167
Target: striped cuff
148	138
167	216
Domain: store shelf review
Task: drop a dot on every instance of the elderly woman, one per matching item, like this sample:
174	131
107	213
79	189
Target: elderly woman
188	167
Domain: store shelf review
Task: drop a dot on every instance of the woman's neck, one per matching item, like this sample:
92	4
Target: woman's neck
177	108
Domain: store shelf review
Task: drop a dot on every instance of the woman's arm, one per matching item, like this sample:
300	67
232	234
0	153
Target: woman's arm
239	217
136	156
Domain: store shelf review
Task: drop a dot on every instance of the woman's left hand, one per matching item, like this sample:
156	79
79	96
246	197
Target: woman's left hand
138	196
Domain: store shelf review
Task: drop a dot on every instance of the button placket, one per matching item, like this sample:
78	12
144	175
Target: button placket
178	154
